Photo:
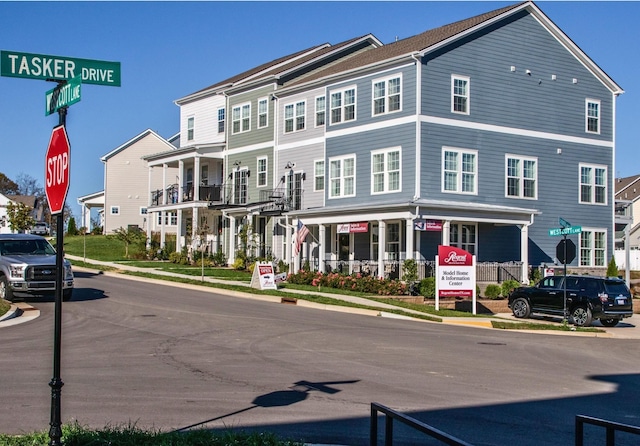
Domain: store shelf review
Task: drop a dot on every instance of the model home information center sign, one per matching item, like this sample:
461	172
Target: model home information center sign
59	68
455	274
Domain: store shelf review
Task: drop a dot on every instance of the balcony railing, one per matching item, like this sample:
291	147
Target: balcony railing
278	201
213	193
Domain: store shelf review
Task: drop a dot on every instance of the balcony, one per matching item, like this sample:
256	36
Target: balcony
211	194
277	202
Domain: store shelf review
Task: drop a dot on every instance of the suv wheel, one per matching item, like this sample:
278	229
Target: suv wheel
521	308
581	316
609	322
5	290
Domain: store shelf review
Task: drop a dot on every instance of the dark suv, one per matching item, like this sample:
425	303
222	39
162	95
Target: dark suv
588	298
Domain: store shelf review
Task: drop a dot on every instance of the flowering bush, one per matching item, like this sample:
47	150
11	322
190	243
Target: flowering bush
353	282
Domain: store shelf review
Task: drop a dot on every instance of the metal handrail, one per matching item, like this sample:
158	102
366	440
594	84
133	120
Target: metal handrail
392	415
610	426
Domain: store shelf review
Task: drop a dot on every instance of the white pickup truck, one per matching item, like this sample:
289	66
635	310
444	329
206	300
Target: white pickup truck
28	265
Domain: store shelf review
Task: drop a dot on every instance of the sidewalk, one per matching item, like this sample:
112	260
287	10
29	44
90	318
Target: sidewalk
628	329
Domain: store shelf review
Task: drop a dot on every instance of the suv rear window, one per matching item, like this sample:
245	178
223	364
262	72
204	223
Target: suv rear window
616	288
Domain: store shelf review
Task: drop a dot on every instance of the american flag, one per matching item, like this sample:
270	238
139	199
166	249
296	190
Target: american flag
301	234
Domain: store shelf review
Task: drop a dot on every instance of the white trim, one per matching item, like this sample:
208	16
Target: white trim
294	117
342	91
315	111
324	175
266	101
240	107
515	131
112	208
266	171
385	123
520	195
244	149
592	249
459	151
300	144
588	101
593	184
386	80
385	171
341	158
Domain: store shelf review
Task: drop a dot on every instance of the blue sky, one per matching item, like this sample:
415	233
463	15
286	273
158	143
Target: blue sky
168	50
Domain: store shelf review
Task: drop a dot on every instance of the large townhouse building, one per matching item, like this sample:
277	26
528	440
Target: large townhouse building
480	134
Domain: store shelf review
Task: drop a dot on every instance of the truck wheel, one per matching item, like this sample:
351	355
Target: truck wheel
66	295
581	316
609	322
6	292
521	308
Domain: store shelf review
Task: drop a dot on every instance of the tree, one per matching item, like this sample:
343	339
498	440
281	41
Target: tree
129	237
7	186
19	217
71	227
612	268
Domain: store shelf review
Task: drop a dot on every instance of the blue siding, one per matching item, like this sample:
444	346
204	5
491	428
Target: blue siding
514	99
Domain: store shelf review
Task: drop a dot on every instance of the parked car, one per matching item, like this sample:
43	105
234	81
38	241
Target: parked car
28	265
41	228
605	298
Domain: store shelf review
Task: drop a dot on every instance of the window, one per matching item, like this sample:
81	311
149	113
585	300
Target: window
342	177
464	236
318	175
294	117
115	210
522	177
321	105
460	94
343	106
385	171
221	120
593	184
143	211
459	171
262	172
593	247
593	116
263	112
190	125
170	218
393	241
204	175
240	186
386	95
241	118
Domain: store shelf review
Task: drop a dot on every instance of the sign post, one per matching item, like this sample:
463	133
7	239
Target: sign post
565	252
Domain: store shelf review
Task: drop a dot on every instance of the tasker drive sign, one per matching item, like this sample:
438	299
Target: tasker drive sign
56	169
455	274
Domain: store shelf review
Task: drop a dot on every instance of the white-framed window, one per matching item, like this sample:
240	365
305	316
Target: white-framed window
464	236
191	121
387	94
221	115
241	118
593	184
392	239
143	210
342	176
204	175
318	175
262	171
460	94
592	116
593	247
521	177
114	210
263	112
241	186
459	171
343	105
321	107
294	115
170	218
385	170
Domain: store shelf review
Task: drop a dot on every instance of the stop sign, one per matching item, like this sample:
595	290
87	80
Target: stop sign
56	169
567	246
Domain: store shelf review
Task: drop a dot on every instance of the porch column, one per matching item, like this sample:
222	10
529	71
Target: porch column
179	180
232	239
524	252
164	183
409	252
163	237
382	232
446	232
179	231
196	179
195	224
321	249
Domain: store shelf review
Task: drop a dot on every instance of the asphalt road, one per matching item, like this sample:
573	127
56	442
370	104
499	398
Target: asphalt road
168	357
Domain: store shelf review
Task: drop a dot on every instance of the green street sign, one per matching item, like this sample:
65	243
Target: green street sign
58	68
62	96
566	231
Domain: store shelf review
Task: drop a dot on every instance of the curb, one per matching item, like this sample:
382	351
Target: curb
14	311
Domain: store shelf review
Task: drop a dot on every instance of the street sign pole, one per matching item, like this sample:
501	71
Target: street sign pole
564	310
55	430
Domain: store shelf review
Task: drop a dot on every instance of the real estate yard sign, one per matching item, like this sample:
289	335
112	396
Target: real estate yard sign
264	277
455	274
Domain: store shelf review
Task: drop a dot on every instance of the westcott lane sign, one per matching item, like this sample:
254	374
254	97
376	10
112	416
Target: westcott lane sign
42	66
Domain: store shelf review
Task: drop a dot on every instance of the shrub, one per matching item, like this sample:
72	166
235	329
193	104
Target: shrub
612	268
428	287
409	271
178	257
508	286
492	291
354	282
219	259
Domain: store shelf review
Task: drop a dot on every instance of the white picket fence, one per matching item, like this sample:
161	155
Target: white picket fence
634	259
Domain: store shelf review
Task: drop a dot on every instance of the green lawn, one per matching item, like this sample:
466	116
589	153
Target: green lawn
97	247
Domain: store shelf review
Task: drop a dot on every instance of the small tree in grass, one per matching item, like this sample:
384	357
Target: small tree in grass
612	268
130	236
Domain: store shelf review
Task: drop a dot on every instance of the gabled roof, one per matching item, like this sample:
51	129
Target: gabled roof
433	39
283	66
133	141
28	200
628	188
